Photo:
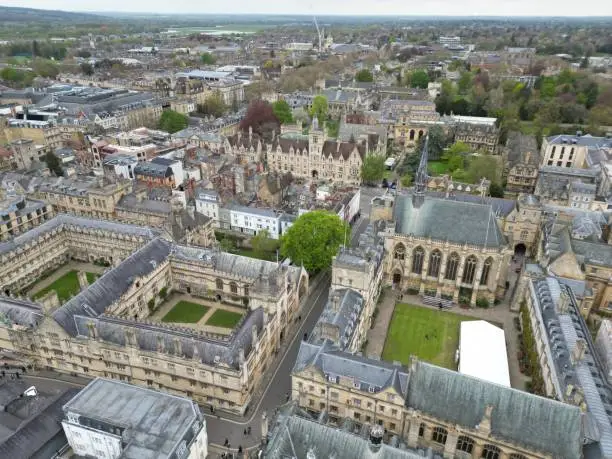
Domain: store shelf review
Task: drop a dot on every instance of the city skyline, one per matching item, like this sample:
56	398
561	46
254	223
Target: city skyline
514	8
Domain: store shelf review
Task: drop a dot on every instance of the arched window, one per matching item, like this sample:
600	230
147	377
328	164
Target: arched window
465	444
439	435
417	260
233	287
517	456
421	133
219	283
451	267
411	134
469	270
400	252
435	259
490	452
486	269
246	290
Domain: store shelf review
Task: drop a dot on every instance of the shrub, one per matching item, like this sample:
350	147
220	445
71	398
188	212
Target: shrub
163	292
151	304
482	302
412	291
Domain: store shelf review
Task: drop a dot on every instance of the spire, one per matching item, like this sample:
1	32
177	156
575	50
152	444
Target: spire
420	180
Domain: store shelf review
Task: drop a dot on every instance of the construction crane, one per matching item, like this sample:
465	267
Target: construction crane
319	34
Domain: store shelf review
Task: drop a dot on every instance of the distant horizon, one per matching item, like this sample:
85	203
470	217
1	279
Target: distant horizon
494	9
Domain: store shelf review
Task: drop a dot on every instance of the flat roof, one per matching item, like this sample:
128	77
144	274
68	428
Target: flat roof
482	352
155	422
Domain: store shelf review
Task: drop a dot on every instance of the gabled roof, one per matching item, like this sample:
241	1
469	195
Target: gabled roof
518	417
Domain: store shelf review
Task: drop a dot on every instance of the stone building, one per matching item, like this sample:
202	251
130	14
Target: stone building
480	134
19	214
553	184
521	162
106	329
522	225
445	250
429	408
408	120
572	150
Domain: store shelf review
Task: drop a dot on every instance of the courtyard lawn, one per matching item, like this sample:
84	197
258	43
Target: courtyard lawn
66	286
92	277
186	312
223	318
430	334
438	167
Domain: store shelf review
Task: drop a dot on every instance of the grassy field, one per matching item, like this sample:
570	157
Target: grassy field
438	167
66	286
223	318
186	312
429	334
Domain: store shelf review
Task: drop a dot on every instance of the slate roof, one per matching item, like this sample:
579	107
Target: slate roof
132	203
41	433
109	288
65	221
286	144
153	169
337	149
155	423
500	206
445	220
518	417
518	144
371	375
20	312
342	311
296	436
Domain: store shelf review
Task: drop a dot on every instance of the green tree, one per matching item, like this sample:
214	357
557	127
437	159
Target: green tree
207	59
45	68
496	190
172	121
364	76
314	239
373	169
53	163
438	140
455	161
406	180
87	68
263	244
213	105
418	79
319	108
483	166
458	148
282	110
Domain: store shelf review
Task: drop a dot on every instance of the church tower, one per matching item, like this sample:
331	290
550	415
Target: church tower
421	178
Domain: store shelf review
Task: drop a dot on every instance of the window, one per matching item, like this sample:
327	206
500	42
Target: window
470	269
400	252
356	402
219	283
451	267
490	452
233	287
417	260
392	425
435	258
357	415
486	269
439	435
465	444
422	430
559	163
246	290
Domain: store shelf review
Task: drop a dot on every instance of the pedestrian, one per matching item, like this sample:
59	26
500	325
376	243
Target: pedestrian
212	410
287	396
300	317
226	442
244	433
440	305
239	449
249	430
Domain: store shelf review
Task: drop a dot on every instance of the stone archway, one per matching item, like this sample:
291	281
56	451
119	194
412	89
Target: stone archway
411	137
397	278
520	249
421	133
315	174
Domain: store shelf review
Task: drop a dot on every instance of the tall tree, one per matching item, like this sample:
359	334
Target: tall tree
319	108
207	59
172	121
438	141
263	244
261	118
373	169
282	110
54	164
364	76
213	105
314	239
418	79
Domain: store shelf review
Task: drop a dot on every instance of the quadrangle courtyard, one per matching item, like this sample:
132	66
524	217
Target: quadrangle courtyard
65	281
199	313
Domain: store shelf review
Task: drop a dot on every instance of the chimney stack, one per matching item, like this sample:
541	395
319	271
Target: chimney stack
563	305
578	351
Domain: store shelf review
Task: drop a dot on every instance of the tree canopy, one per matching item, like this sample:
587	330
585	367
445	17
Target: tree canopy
314	239
418	79
282	110
54	164
172	121
263	244
364	76
261	118
438	141
207	59
319	108
373	169
213	105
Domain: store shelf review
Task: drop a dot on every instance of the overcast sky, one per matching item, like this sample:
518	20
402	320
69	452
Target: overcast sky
320	7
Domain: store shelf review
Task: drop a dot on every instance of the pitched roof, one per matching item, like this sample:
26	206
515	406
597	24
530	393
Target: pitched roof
337	149
518	417
445	220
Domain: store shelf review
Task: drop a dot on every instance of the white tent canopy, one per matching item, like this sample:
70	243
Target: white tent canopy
482	352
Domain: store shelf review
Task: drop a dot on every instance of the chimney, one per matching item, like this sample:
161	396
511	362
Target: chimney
563	305
93	333
161	345
250	133
376	437
196	353
578	351
177	346
336	302
241	357
254	334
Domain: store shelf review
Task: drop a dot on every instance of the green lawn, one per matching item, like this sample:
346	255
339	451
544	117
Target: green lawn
438	167
186	312
92	277
268	256
66	286
223	318
430	334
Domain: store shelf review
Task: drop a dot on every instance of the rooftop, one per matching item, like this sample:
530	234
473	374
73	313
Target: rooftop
153	424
